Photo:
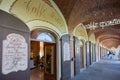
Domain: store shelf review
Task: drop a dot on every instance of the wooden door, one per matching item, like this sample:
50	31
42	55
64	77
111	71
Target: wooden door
50	61
34	53
82	57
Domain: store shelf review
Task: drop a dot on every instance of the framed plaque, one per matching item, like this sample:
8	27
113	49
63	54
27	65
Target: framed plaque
14	54
66	51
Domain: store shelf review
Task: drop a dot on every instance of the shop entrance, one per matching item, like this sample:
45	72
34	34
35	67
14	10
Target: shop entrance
43	57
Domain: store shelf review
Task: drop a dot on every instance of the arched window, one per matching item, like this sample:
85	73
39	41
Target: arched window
45	36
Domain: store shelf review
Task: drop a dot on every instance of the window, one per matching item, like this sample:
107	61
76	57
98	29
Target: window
45	36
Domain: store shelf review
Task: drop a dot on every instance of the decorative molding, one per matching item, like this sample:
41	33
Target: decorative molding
44	25
6	7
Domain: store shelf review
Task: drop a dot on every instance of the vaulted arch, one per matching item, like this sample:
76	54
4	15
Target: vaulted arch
92	38
42	10
80	32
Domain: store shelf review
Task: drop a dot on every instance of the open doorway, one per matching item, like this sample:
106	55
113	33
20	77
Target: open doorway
43	57
82	53
82	56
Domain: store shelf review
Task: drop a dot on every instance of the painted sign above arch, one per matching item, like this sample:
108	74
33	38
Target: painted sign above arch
43	10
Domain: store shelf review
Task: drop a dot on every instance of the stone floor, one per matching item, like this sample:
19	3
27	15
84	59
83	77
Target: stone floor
37	74
103	70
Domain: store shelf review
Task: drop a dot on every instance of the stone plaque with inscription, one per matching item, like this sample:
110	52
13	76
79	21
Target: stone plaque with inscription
66	51
14	48
14	54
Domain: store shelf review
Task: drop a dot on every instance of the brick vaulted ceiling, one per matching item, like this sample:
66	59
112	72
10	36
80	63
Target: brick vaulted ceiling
86	11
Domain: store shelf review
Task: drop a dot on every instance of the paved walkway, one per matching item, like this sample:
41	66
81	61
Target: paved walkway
103	70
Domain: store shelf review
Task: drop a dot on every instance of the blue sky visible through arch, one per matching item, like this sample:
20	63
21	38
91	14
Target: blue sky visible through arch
44	36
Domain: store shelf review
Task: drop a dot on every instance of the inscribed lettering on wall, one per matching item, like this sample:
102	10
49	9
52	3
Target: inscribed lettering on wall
14	54
66	51
42	10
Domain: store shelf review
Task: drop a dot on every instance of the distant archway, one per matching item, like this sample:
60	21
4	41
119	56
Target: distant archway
43	46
